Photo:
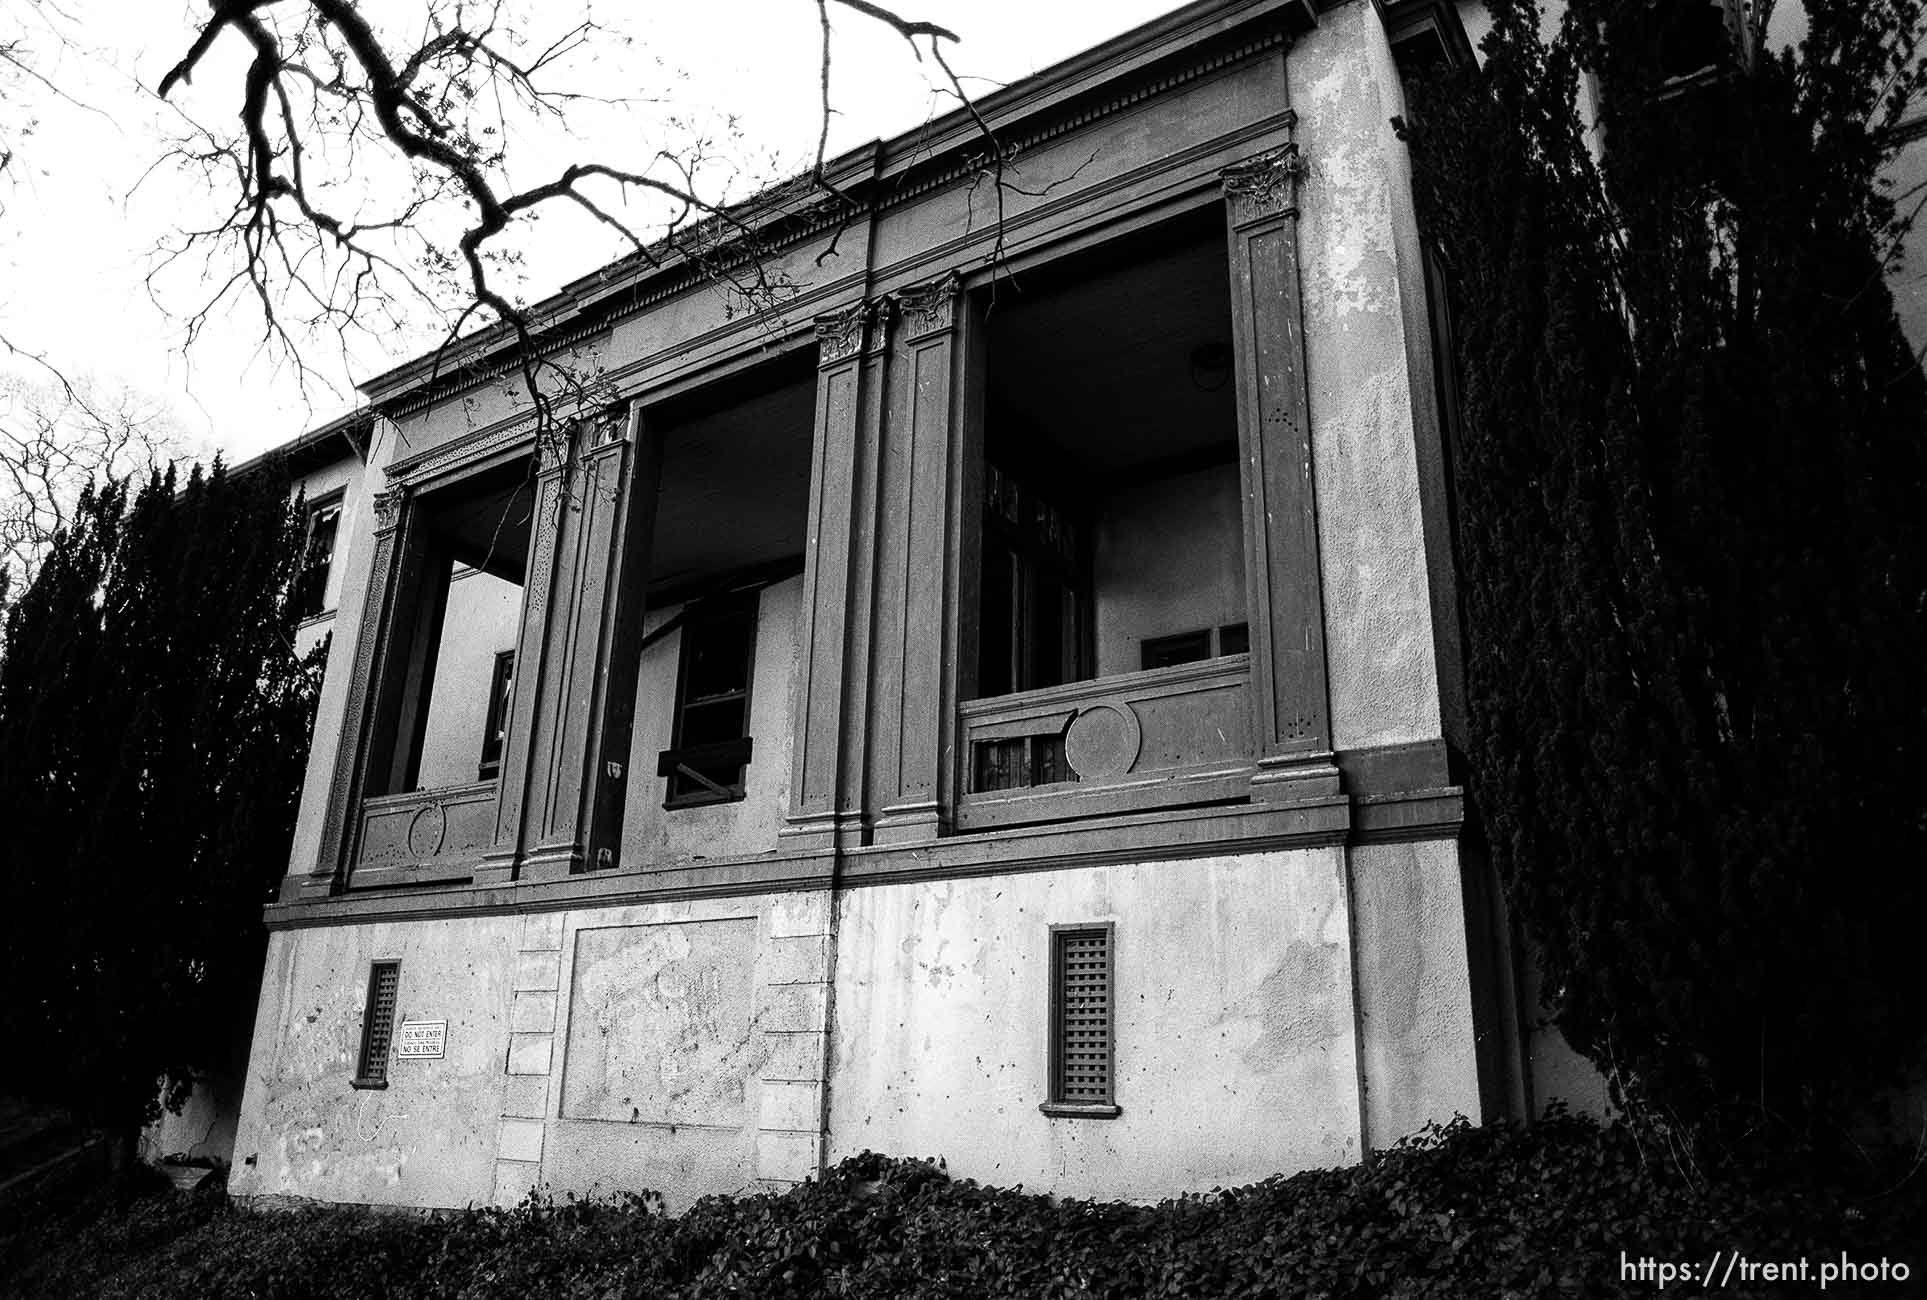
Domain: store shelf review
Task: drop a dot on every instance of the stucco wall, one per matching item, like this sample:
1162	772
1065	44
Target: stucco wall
427	1138
205	1126
1417	1041
688	1051
1168	558
1236	1055
651	833
1378	632
1908	278
483	615
347	593
1555	1072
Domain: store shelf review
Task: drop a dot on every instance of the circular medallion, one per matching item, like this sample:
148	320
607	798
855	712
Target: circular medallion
426	832
1103	740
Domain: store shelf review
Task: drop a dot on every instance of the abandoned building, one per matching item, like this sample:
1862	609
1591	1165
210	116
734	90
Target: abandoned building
997	703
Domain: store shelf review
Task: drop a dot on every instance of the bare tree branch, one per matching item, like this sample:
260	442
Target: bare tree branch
55	439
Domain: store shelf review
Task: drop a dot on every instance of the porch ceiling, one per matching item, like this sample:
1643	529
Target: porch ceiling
1103	367
735	484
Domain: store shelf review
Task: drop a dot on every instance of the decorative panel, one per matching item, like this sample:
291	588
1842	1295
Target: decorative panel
425	835
1118	744
662	1024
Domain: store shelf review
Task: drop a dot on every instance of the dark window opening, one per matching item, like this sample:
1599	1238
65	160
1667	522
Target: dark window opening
1082	1022
1191	647
378	1024
1184	648
458	610
495	728
710	748
1035	628
1020	762
318	551
1688	38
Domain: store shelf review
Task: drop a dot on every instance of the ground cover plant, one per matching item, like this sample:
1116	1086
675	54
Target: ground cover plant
1561	1208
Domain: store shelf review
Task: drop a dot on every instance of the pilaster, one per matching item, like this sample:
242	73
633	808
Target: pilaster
1291	722
565	773
530	1067
826	794
915	633
794	1020
391	582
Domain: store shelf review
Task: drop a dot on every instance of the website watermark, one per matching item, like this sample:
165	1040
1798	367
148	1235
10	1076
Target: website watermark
1729	1268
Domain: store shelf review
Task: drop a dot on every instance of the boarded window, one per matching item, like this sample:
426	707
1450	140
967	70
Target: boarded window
378	1024
1083	998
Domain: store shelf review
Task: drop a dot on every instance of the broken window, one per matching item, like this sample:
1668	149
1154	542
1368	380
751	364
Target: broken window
732	519
711	748
495	730
318	551
1036	579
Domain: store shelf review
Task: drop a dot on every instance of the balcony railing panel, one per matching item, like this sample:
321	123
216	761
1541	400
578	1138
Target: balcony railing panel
1156	739
424	836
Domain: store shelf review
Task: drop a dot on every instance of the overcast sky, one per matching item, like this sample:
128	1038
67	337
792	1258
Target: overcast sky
86	207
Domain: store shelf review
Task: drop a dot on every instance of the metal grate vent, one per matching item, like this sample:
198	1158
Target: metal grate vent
1082	1031
378	1024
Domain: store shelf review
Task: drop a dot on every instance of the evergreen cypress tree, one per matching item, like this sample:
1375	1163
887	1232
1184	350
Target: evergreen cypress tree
154	727
1689	488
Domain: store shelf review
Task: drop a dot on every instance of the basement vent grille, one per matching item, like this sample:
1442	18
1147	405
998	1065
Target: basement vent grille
378	1024
1082	1004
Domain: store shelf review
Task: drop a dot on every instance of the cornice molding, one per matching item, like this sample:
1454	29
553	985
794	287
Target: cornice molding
783	222
462	449
1015	146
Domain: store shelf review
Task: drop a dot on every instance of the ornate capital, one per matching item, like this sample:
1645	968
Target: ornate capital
388	505
840	335
1265	186
610	426
930	307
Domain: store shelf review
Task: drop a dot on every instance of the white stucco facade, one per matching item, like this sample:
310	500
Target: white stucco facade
857	949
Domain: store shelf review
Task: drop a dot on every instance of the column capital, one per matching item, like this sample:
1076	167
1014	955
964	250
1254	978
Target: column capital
930	307
388	503
1266	186
842	334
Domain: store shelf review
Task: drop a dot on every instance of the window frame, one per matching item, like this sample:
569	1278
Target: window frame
700	618
495	722
311	584
1040	553
371	1069
1056	1102
1214	642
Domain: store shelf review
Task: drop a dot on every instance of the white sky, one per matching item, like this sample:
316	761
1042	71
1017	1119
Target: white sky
79	225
